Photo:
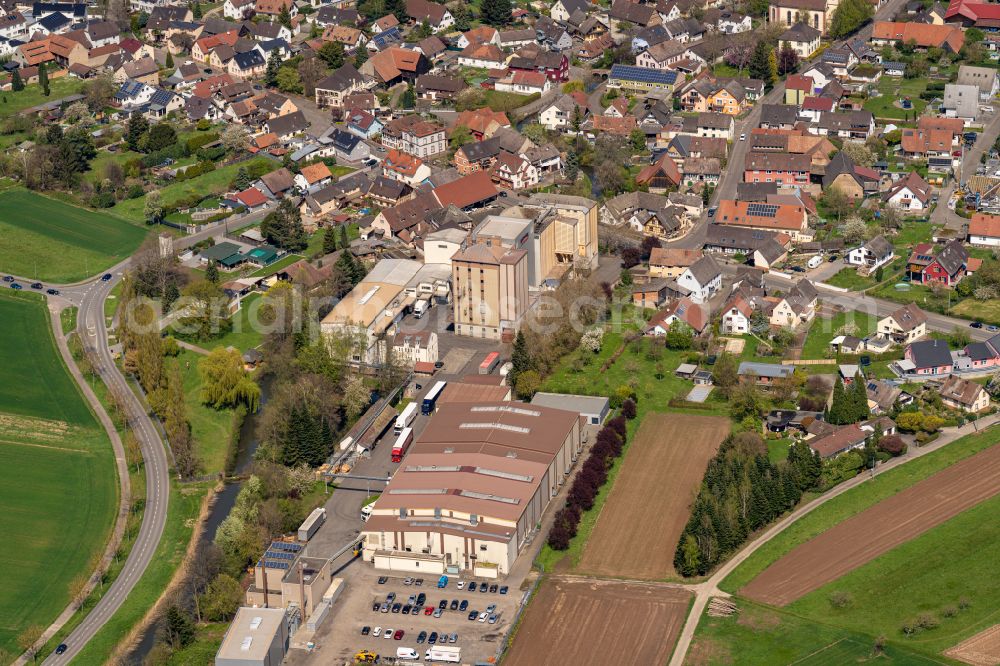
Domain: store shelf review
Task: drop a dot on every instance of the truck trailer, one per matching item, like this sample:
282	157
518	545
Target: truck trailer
402	444
405	418
311	524
444	654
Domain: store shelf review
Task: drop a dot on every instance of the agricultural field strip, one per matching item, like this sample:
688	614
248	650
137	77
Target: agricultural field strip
878	529
568	623
669	451
982	649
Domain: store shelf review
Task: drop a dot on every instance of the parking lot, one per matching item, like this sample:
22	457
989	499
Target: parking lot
340	637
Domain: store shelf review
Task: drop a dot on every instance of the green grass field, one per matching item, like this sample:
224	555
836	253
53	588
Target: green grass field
952	562
58	487
760	636
53	241
825	329
212	429
848	278
32	95
214	182
855	501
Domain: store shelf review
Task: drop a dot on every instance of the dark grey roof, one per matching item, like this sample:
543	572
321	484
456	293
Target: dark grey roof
249	60
341	79
979	351
755	191
705	270
953	256
778	114
930	353
290	123
735	238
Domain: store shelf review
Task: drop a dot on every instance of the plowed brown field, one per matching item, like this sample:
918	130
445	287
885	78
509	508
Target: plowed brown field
876	530
582	622
636	534
983	649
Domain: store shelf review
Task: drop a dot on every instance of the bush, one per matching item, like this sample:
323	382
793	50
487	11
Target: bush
949	611
102	200
893	445
840	599
199	140
619	426
135	191
927	621
628	409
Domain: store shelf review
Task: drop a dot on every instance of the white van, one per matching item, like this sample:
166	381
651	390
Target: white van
406	653
366	512
815	261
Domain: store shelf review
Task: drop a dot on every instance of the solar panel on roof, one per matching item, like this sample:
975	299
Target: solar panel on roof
762	210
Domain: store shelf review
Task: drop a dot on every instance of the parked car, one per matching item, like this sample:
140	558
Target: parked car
384	608
415	610
390	597
365	630
443	604
743	137
376	606
464	605
493	588
483	616
443	582
460	584
106	277
36	285
473	615
406	609
433	638
453	638
399	634
453	605
503	589
387	634
376	632
491	608
396	607
382	580
52	292
472	586
483	588
407	581
493	618
991	328
418	582
421	637
429	609
798	269
438	612
421	598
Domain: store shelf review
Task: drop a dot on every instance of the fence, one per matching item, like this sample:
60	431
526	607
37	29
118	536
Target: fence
515	623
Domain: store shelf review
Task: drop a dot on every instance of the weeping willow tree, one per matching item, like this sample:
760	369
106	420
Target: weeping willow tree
225	383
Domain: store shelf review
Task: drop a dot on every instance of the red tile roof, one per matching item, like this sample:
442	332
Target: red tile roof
467	191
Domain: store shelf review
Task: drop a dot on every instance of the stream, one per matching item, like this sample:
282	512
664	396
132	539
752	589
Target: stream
222	504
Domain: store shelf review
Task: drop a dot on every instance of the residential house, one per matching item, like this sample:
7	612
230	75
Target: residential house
921	35
871	255
649	294
247	66
667	262
802	38
273	8
331	91
660	176
984	230
797	89
313	177
405	168
562	112
911	193
346	146
702	279
904	326
763	374
736	314
482	55
682	310
927	357
839	440
643	16
984	78
781	168
701	172
414	135
716	125
946	266
414	347
524	83
847	125
363	123
641	79
394	65
433	88
959	393
961	101
852	180
796	307
561	10
513	172
731	23
287	126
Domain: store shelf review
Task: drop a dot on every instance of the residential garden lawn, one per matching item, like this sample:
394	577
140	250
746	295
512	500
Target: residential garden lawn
848	278
271	269
912	233
759	635
499	100
951	562
894	89
58	486
99	163
825	329
339	171
32	95
242	336
777	449
919	294
987	311
53	241
213	429
855	501
725	69
209	184
182	512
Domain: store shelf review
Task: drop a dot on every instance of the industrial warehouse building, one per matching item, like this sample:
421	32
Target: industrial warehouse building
257	637
472	489
593	408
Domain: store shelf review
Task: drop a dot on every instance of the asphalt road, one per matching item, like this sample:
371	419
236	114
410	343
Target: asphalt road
91	326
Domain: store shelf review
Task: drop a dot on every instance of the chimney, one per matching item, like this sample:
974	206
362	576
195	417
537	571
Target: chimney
263	565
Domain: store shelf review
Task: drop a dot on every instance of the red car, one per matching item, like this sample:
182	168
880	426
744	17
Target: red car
428	610
399	634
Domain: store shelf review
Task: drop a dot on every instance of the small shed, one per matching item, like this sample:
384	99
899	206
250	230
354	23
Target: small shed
686	370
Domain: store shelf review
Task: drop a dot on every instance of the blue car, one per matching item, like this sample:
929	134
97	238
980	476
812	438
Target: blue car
14	285
443	582
105	277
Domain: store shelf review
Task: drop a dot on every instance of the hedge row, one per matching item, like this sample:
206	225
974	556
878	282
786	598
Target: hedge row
592	475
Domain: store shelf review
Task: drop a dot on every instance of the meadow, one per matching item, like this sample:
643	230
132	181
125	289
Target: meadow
58	487
49	240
